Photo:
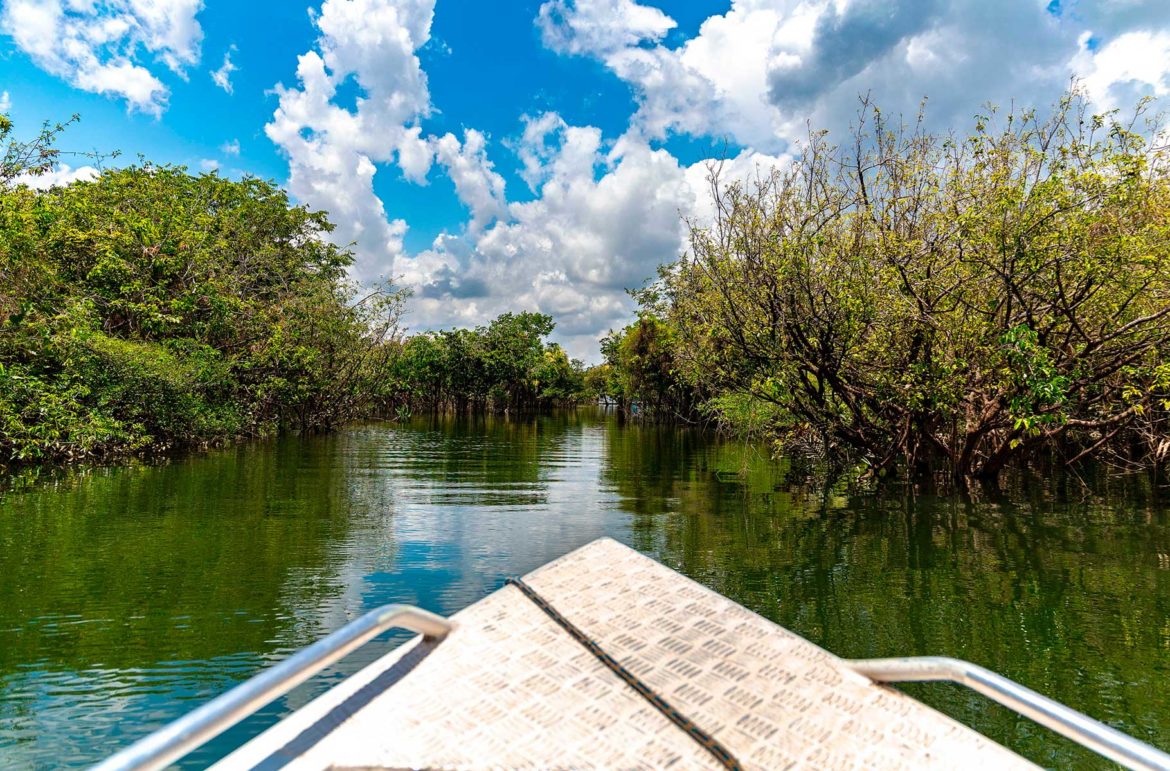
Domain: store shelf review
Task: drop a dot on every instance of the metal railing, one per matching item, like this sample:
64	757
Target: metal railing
216	716
1082	729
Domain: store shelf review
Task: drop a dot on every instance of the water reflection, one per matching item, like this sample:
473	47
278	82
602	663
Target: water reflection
1071	598
130	594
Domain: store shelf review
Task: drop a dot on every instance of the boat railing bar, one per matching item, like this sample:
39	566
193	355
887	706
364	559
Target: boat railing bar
191	731
1080	728
213	718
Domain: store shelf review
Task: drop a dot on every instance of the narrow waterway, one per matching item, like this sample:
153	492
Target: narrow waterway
129	595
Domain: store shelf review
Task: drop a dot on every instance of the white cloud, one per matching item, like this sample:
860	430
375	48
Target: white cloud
700	87
574	250
478	186
1132	63
765	69
97	46
605	217
63	174
552	148
600	26
209	164
333	152
230	148
223	76
167	28
5	102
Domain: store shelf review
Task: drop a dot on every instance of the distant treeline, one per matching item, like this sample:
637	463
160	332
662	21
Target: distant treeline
150	308
927	304
506	365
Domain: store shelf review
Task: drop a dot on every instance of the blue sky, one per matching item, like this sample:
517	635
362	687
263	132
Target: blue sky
472	84
539	155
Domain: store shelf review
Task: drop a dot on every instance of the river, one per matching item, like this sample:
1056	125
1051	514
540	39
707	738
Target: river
130	594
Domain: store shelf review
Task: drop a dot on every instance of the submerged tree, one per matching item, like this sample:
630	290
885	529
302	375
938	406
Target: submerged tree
642	369
942	302
150	308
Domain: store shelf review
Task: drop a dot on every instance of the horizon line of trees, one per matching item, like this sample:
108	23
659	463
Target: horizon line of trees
504	366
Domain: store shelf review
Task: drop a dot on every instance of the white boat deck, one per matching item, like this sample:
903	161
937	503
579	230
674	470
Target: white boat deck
509	688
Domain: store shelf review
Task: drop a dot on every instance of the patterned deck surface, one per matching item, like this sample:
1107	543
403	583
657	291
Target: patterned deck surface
510	689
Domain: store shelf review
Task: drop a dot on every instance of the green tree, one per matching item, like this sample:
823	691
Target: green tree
641	370
935	302
150	308
505	365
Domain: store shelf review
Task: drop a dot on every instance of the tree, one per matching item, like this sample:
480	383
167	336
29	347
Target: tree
506	365
932	302
33	158
150	308
641	369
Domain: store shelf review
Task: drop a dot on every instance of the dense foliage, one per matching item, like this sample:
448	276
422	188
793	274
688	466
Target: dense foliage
150	308
505	365
931	302
640	372
913	301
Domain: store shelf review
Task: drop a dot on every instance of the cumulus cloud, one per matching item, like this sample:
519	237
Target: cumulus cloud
98	46
223	76
844	43
63	174
605	216
797	62
333	151
587	238
5	102
230	148
600	26
572	251
1130	65
699	87
478	186
552	148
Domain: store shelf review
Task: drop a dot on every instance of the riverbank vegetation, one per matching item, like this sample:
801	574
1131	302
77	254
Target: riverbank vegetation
504	366
931	303
150	308
919	303
641	372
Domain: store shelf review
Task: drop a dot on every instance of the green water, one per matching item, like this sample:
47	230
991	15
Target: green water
129	595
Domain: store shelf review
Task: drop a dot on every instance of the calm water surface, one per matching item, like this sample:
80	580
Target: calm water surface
129	595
